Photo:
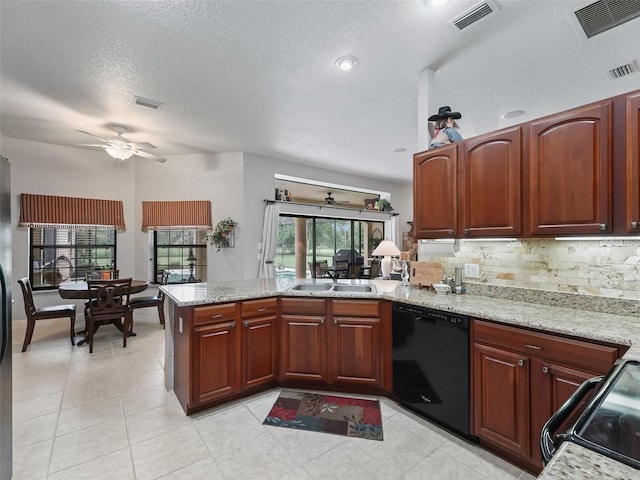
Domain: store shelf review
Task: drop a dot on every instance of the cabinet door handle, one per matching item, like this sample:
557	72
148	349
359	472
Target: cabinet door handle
335	321
602	227
545	369
261	309
520	362
213	317
233	325
450	232
466	231
246	324
533	347
634	224
322	320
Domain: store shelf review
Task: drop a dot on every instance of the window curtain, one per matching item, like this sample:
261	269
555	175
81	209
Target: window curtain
392	231
266	269
70	212
171	215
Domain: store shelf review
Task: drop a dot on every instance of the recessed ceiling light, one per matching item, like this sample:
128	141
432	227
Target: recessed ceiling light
346	63
400	150
512	114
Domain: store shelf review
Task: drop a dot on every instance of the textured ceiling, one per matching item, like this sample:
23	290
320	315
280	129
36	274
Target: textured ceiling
259	76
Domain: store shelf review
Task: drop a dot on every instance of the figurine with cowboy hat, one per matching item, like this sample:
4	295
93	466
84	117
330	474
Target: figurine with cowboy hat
444	131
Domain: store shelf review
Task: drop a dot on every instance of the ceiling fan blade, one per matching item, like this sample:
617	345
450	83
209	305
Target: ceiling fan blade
152	156
101	145
145	145
94	136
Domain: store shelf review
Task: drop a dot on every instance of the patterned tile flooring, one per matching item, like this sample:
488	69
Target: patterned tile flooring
108	416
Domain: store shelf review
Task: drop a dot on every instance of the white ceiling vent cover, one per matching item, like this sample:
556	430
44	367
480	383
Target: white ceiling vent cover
473	15
623	70
603	15
147	102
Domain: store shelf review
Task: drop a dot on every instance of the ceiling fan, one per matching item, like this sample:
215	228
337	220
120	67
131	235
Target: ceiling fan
120	147
329	200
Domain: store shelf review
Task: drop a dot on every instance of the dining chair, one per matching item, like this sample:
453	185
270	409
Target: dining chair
319	269
156	301
43	313
371	271
108	304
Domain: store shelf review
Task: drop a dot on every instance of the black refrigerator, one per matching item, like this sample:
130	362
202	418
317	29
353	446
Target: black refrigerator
5	328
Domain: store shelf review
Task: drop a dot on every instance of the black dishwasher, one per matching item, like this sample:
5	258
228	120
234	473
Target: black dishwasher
431	365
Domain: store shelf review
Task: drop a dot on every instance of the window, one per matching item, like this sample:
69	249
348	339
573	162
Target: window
325	238
59	255
182	252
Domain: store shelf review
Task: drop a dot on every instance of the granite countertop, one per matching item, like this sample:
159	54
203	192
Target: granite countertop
571	462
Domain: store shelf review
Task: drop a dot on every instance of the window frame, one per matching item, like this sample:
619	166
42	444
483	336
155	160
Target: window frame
73	253
198	249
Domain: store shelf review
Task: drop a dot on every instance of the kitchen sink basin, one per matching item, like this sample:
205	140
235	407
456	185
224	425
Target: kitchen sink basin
312	287
353	288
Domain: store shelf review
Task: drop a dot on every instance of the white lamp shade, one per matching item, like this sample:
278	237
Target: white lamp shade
387	249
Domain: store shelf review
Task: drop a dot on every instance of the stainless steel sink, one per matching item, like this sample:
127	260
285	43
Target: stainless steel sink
353	288
312	287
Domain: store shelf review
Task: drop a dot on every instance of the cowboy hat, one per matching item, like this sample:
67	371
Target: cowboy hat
445	112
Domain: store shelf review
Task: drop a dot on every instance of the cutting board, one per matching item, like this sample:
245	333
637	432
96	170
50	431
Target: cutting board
425	273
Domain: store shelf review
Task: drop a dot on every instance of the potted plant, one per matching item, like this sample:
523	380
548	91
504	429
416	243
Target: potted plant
383	205
222	234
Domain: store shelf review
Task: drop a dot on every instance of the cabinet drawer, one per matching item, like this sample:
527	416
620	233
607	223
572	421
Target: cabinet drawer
303	306
214	313
579	353
356	308
263	306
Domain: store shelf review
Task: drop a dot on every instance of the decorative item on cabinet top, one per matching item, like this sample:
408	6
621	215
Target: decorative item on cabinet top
223	234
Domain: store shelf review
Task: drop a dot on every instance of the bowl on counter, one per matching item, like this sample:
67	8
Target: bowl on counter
441	288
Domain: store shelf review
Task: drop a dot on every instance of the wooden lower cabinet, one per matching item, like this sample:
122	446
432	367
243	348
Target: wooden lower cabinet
520	378
216	365
303	352
260	340
354	347
501	397
334	342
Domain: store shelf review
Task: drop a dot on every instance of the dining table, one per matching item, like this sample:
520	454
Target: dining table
80	291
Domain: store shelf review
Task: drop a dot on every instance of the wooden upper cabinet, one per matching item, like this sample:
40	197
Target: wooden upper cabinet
633	162
490	184
570	161
435	203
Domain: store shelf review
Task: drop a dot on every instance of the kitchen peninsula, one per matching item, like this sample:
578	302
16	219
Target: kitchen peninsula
253	305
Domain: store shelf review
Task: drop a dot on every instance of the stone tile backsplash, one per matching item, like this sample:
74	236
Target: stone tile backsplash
606	268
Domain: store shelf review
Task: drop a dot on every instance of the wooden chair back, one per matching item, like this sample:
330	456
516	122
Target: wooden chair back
109	299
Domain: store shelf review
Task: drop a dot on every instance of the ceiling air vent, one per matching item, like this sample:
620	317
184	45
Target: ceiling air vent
475	13
622	70
147	102
603	15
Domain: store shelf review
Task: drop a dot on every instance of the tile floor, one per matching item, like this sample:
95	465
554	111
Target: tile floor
108	416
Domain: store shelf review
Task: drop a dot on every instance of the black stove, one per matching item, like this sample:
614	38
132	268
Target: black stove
609	423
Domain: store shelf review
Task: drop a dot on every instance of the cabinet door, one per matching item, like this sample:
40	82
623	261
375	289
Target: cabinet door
303	348
501	398
355	351
259	350
216	361
435	205
570	172
490	184
551	386
633	162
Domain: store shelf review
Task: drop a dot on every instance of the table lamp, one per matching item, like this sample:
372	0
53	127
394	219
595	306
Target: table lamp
386	249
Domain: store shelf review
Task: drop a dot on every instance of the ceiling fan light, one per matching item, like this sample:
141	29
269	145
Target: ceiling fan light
346	63
118	153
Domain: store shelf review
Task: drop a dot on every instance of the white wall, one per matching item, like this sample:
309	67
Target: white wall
214	177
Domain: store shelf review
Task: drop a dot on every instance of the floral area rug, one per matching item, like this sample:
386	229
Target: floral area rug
351	417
